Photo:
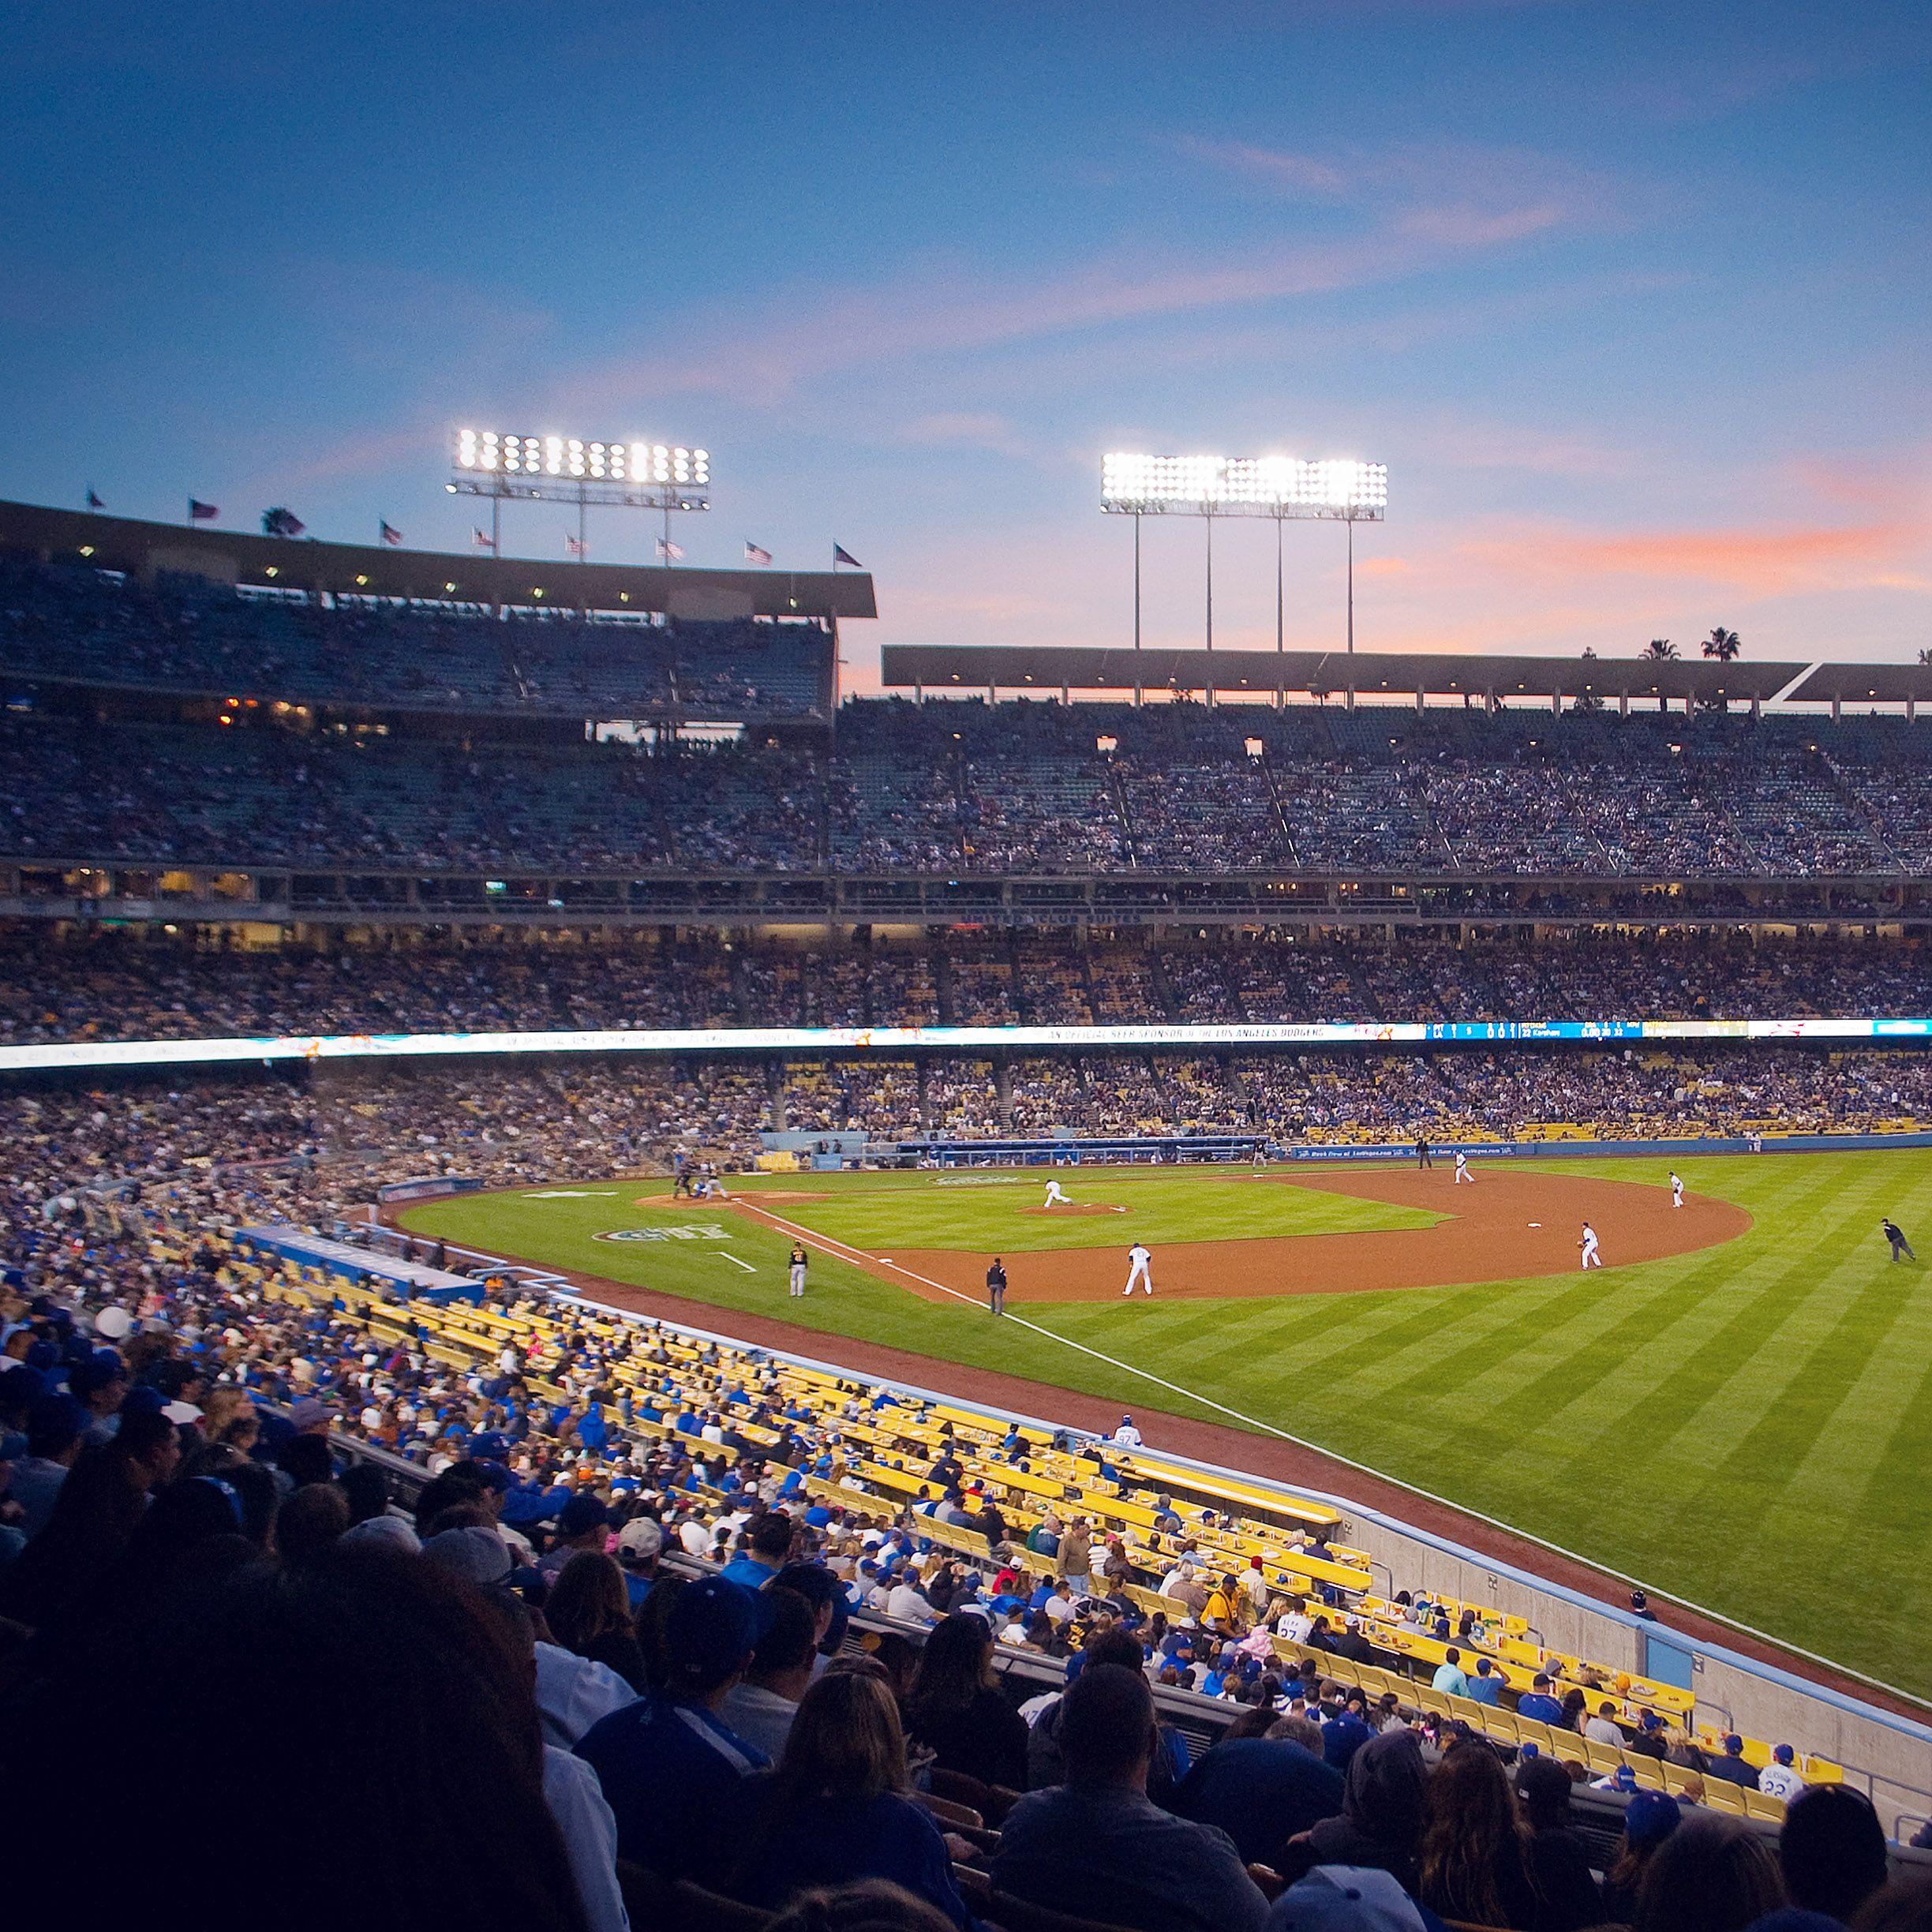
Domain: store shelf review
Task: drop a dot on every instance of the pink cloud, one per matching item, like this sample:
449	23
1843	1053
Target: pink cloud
1767	561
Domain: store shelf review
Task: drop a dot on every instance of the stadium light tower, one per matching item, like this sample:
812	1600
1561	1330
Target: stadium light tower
1285	488
552	469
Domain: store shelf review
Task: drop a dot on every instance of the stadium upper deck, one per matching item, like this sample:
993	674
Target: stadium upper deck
301	739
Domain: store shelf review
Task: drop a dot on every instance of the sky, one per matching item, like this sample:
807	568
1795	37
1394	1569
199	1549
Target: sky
1631	299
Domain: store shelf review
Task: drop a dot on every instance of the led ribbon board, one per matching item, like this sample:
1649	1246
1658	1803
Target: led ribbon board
882	1039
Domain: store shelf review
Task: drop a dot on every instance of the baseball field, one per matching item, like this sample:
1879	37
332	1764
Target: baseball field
1737	1408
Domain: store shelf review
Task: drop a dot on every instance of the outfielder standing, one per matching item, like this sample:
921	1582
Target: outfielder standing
1139	1268
798	1269
1588	1244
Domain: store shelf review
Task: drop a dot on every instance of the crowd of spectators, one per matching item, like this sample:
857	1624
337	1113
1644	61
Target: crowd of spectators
260	767
186	635
602	1652
124	983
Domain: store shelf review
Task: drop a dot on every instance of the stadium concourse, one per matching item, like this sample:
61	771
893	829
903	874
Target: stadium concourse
576	1583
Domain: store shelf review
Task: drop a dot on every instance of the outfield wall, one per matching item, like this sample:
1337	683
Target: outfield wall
995	1150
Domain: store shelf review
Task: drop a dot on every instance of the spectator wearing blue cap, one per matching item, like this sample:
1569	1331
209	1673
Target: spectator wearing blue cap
1731	1766
583	1524
1538	1704
669	1765
1649	1819
1780	1778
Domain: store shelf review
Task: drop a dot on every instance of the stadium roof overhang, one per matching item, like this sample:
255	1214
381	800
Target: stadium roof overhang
1865	683
945	667
142	550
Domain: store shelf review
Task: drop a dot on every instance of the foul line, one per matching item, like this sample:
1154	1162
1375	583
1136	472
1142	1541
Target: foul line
719	1255
829	1245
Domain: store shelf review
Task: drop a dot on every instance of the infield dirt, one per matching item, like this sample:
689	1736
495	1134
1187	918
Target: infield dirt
1505	1225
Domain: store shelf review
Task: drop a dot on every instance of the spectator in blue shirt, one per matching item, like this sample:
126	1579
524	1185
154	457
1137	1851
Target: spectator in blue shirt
1486	1685
670	1769
768	1544
1538	1704
838	1809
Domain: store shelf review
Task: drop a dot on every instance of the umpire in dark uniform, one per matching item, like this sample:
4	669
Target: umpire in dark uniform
996	1286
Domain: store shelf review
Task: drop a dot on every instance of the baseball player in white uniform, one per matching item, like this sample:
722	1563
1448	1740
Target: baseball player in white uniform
1056	1196
1676	1188
1588	1244
1139	1268
1463	1173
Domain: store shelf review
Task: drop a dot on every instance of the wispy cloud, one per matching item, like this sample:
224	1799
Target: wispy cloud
948	308
1430	184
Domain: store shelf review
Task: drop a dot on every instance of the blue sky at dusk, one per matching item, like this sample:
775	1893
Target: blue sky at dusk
1631	299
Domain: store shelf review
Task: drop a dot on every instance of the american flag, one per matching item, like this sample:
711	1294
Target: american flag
481	541
574	544
841	555
390	534
198	512
93	501
756	553
671	553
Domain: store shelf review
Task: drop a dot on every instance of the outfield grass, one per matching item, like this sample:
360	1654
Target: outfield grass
1748	1427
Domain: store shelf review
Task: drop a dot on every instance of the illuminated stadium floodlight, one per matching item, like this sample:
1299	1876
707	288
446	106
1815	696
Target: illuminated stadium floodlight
621	473
1266	486
1288	489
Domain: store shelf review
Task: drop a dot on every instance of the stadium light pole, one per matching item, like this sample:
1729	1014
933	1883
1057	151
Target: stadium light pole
1279	520
1208	519
1351	586
628	474
1285	488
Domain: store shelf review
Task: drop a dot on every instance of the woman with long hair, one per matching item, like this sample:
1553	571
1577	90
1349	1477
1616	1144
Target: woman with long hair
1649	1819
837	1809
1713	1875
1475	1859
589	1613
957	1710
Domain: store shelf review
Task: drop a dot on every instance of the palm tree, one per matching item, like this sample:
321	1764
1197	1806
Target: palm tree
1659	648
1925	657
1722	645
